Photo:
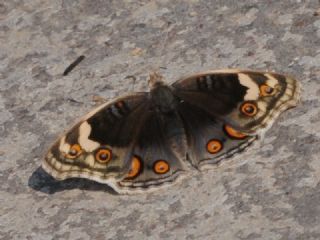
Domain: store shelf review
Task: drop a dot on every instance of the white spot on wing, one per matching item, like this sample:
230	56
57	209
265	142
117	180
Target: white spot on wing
65	168
84	141
57	165
262	106
272	81
90	161
253	88
64	147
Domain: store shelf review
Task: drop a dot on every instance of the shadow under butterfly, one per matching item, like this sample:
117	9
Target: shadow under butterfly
147	140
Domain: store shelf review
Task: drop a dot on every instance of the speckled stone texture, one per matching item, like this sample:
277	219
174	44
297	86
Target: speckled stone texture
271	191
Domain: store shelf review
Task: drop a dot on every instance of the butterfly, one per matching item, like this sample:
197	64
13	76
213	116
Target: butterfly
146	140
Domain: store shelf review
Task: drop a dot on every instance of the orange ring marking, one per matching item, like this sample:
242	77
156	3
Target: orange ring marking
135	167
266	90
234	133
103	155
249	109
161	167
75	151
214	146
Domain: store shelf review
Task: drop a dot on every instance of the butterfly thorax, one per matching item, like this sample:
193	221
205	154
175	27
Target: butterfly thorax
162	97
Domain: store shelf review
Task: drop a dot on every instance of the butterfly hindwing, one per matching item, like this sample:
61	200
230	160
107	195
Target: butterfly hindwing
209	139
159	154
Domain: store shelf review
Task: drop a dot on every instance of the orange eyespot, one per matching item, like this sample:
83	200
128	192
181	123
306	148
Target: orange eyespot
161	167
75	151
266	90
249	109
103	155
214	146
135	167
233	133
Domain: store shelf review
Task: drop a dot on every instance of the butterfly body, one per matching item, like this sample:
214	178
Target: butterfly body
148	140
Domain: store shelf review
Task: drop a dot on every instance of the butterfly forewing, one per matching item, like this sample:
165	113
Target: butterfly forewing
99	146
239	98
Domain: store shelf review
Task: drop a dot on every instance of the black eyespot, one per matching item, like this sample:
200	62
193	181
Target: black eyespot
75	151
249	109
266	90
103	155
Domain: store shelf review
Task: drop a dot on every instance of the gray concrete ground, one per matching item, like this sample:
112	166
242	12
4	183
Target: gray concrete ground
270	192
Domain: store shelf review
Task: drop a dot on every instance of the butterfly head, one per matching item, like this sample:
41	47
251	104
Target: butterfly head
155	80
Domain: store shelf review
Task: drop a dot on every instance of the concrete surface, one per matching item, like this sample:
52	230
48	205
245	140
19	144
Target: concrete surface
269	192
